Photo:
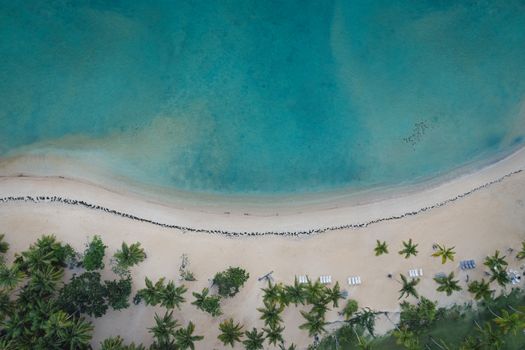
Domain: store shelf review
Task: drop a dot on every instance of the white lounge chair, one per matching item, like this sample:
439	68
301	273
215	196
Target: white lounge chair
415	273
302	279
354	280
325	279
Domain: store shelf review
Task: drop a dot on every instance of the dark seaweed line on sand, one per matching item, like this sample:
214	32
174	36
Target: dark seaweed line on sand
47	199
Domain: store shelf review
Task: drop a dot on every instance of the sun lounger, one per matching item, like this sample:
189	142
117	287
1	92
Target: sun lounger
302	279
415	273
325	279
440	275
467	264
354	281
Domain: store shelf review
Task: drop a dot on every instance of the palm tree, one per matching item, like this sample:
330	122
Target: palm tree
490	338
230	333
185	339
519	256
444	253
210	304
254	340
408	249
314	323
6	306
4	247
291	347
496	262
271	313
172	296
481	290
10	277
381	248
350	308
334	294
447	284
409	287
273	293
152	294
510	322
77	335
274	334
366	319
320	308
500	276
44	282
314	292
295	293
129	256
164	329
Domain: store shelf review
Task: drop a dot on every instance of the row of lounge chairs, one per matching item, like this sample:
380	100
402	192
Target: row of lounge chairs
327	279
414	273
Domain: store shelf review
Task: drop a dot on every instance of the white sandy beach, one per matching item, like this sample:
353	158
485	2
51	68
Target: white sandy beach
492	217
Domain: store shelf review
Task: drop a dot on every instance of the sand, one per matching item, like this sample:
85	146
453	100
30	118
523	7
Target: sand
492	217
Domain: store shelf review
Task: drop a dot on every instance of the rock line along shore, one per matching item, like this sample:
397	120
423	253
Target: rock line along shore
69	201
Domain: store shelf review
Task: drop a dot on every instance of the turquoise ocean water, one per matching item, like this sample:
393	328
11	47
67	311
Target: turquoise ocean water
263	96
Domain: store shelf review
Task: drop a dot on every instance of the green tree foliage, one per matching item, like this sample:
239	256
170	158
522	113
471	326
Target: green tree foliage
274	293
94	254
315	324
127	257
274	335
409	248
519	256
164	331
408	287
117	343
85	294
407	339
10	277
271	313
366	319
418	317
447	284
496	262
118	293
445	253
230	281
47	251
480	289
207	303
184	338
254	340
168	295
4	247
350	309
295	293
334	294
231	332
381	248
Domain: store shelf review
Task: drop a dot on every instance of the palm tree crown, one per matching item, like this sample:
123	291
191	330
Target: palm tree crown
274	334
447	284
480	289
185	339
271	313
314	323
408	287
444	253
381	248
520	255
231	333
408	249
496	262
295	293
254	340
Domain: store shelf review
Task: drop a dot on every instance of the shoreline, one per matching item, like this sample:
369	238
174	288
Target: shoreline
228	219
55	199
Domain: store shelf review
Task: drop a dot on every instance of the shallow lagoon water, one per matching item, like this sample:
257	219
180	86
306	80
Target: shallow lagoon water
264	97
